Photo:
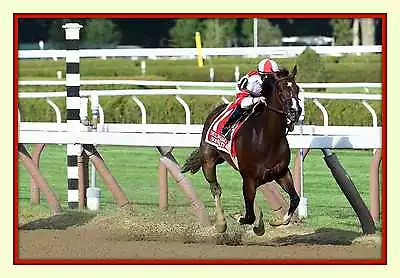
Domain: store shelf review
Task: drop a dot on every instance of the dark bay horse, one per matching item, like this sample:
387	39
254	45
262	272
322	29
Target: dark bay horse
262	148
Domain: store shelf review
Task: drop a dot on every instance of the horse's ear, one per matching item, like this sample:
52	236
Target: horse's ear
294	71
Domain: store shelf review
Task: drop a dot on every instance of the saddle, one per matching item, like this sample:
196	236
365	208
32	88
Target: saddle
214	134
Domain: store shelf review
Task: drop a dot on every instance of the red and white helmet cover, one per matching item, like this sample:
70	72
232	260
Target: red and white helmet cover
267	66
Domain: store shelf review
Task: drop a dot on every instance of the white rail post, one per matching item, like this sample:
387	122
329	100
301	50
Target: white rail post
237	73
142	108
303	210
373	114
93	192
56	109
212	74
186	107
323	110
83	113
101	114
94	106
374	168
19	116
371	110
143	67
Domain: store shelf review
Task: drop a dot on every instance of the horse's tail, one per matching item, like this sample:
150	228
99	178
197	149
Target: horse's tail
193	163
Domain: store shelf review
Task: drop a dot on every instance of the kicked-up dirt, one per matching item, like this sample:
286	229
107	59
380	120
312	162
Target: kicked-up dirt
80	236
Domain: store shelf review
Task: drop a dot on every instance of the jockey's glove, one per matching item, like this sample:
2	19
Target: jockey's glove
259	99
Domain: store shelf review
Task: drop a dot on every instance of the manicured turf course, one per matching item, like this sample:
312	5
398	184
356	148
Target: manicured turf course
136	169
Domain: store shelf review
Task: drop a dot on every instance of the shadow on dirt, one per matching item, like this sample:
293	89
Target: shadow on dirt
322	236
59	222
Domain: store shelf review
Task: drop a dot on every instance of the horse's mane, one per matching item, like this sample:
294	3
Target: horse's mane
283	72
269	83
267	87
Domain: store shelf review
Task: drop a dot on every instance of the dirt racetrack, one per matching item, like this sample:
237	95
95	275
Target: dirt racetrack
78	236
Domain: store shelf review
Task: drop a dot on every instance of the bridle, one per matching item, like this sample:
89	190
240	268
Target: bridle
269	106
276	110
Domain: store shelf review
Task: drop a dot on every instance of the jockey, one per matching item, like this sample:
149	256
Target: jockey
249	91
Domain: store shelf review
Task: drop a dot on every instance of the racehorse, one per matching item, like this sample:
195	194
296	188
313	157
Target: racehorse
262	148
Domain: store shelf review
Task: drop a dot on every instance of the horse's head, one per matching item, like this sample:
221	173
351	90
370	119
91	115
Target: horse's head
284	96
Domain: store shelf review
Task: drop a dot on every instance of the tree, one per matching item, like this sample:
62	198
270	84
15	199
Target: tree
100	32
342	31
267	34
229	25
218	32
182	34
311	67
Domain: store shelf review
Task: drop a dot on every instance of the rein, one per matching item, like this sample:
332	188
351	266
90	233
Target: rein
276	110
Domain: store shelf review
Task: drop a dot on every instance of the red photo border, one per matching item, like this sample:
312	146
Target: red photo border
381	261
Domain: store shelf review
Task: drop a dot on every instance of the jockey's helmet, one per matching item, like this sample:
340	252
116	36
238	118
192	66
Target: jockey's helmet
267	66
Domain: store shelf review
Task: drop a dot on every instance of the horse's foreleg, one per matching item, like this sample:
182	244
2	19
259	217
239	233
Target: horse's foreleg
286	182
249	193
209	170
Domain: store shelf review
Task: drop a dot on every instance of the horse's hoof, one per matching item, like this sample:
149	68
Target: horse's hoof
244	221
286	222
286	219
221	227
279	222
260	229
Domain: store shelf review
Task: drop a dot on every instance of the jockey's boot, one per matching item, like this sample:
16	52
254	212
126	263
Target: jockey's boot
226	130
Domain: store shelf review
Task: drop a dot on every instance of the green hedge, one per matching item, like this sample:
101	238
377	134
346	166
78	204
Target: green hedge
165	109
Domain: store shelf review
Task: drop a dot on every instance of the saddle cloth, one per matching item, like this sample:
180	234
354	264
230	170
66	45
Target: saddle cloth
214	135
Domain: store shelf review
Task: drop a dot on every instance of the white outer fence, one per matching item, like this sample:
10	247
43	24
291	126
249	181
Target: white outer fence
153	53
170	135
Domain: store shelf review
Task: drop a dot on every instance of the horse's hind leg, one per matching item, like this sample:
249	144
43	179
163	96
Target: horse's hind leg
286	182
210	158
